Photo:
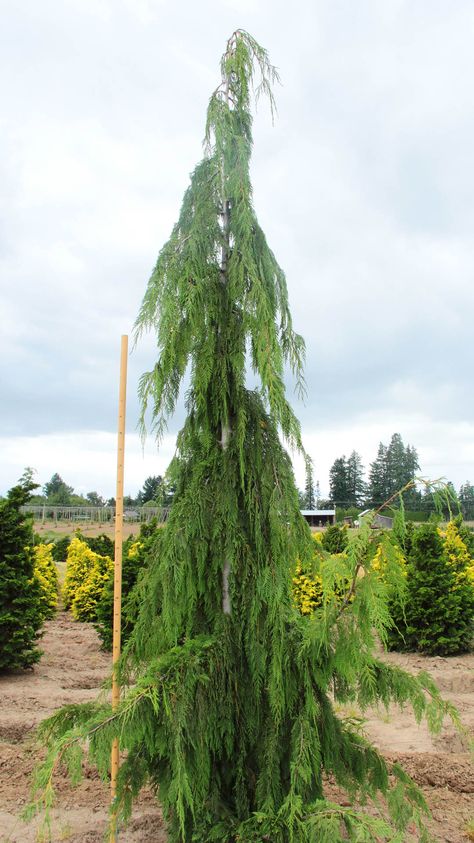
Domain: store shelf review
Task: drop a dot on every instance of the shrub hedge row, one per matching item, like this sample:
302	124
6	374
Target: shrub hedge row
436	615
437	565
89	582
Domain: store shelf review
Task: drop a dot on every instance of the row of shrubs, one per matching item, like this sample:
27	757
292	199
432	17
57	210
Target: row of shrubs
29	584
433	612
88	588
435	567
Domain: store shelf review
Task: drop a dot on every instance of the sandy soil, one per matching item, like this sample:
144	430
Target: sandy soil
441	764
72	670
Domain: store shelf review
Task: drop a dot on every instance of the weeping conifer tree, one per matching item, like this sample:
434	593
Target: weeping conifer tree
230	708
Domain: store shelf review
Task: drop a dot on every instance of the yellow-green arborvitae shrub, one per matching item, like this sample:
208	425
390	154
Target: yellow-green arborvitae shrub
89	594
328	580
86	575
46	575
309	590
381	561
458	554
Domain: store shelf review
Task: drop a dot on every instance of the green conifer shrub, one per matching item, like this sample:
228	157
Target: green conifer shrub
229	712
437	617
335	539
60	548
101	544
21	613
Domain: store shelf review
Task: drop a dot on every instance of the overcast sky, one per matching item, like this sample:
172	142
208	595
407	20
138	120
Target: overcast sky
364	187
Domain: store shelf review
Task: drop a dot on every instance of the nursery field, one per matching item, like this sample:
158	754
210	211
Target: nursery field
90	529
72	670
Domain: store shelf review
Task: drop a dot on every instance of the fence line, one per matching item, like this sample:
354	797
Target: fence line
95	514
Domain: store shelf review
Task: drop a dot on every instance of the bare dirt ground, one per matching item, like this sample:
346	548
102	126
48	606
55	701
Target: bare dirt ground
72	670
441	765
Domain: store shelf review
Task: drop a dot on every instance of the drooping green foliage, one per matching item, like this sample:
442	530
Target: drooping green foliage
217	291
21	611
230	709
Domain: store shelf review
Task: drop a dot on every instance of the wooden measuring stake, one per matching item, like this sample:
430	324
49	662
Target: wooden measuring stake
114	767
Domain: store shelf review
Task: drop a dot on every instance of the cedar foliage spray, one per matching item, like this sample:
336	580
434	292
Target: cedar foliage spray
230	710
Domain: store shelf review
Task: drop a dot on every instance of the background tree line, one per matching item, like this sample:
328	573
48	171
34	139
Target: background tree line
156	490
395	466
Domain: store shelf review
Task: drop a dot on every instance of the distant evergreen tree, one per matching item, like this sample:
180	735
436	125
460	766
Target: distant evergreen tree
309	489
230	712
57	491
396	464
402	465
338	481
94	499
317	493
466	500
153	490
378	478
346	481
412	464
356	486
21	614
394	467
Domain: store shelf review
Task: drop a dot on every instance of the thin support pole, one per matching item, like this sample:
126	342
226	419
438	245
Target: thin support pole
118	574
